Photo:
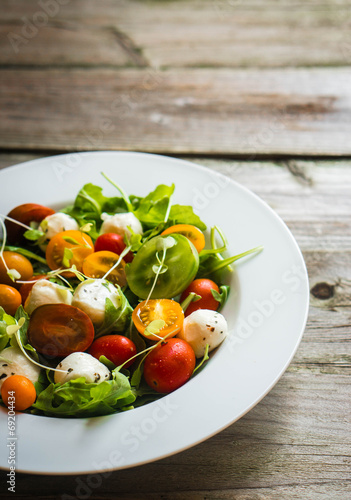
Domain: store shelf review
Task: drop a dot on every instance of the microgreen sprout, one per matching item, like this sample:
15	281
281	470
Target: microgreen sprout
121	190
125	251
12	273
192	297
162	245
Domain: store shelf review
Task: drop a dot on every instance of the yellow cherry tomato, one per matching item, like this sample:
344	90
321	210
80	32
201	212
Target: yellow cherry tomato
18	262
167	310
18	391
10	299
68	248
98	264
193	234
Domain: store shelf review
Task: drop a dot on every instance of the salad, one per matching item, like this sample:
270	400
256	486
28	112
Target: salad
109	303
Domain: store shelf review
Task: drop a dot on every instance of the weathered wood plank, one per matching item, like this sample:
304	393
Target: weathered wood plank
187	33
228	112
63	44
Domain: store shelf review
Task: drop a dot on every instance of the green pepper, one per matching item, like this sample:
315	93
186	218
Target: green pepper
173	259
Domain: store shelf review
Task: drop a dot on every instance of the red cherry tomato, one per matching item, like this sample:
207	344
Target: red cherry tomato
60	329
169	365
116	348
26	288
112	242
203	288
26	213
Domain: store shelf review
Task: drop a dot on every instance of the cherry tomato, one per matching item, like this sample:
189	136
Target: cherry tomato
167	310
78	244
60	329
18	262
97	264
193	234
19	390
112	242
26	213
116	348
26	288
203	288
182	261
169	365
10	299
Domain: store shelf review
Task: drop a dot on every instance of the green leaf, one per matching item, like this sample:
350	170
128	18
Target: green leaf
116	318
152	209
34	235
77	398
26	253
184	214
222	296
205	358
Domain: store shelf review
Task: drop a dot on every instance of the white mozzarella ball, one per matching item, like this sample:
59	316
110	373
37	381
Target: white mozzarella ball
81	364
204	327
90	296
119	223
14	362
44	292
56	223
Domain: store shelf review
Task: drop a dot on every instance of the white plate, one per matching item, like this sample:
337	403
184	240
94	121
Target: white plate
266	312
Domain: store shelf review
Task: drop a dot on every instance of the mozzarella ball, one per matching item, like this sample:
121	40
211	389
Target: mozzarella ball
90	296
119	224
56	223
81	364
45	292
204	327
14	362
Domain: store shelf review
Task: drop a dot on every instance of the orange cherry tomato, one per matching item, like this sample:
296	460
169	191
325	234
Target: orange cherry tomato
18	391
193	234
168	310
98	264
60	329
202	287
10	299
26	213
68	248
169	365
18	262
26	288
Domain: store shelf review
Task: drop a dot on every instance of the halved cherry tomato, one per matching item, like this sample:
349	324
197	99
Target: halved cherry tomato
26	288
169	365
203	288
112	242
18	262
78	244
10	299
168	310
116	348
19	391
193	234
98	264
26	213
59	330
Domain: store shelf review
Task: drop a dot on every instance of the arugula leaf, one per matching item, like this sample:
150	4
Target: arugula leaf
222	296
184	214
76	398
152	209
5	321
116	318
90	203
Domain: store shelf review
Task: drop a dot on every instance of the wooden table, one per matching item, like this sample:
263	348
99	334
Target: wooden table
262	92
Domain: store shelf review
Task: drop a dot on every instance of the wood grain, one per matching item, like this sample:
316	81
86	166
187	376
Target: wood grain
230	33
228	112
295	443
